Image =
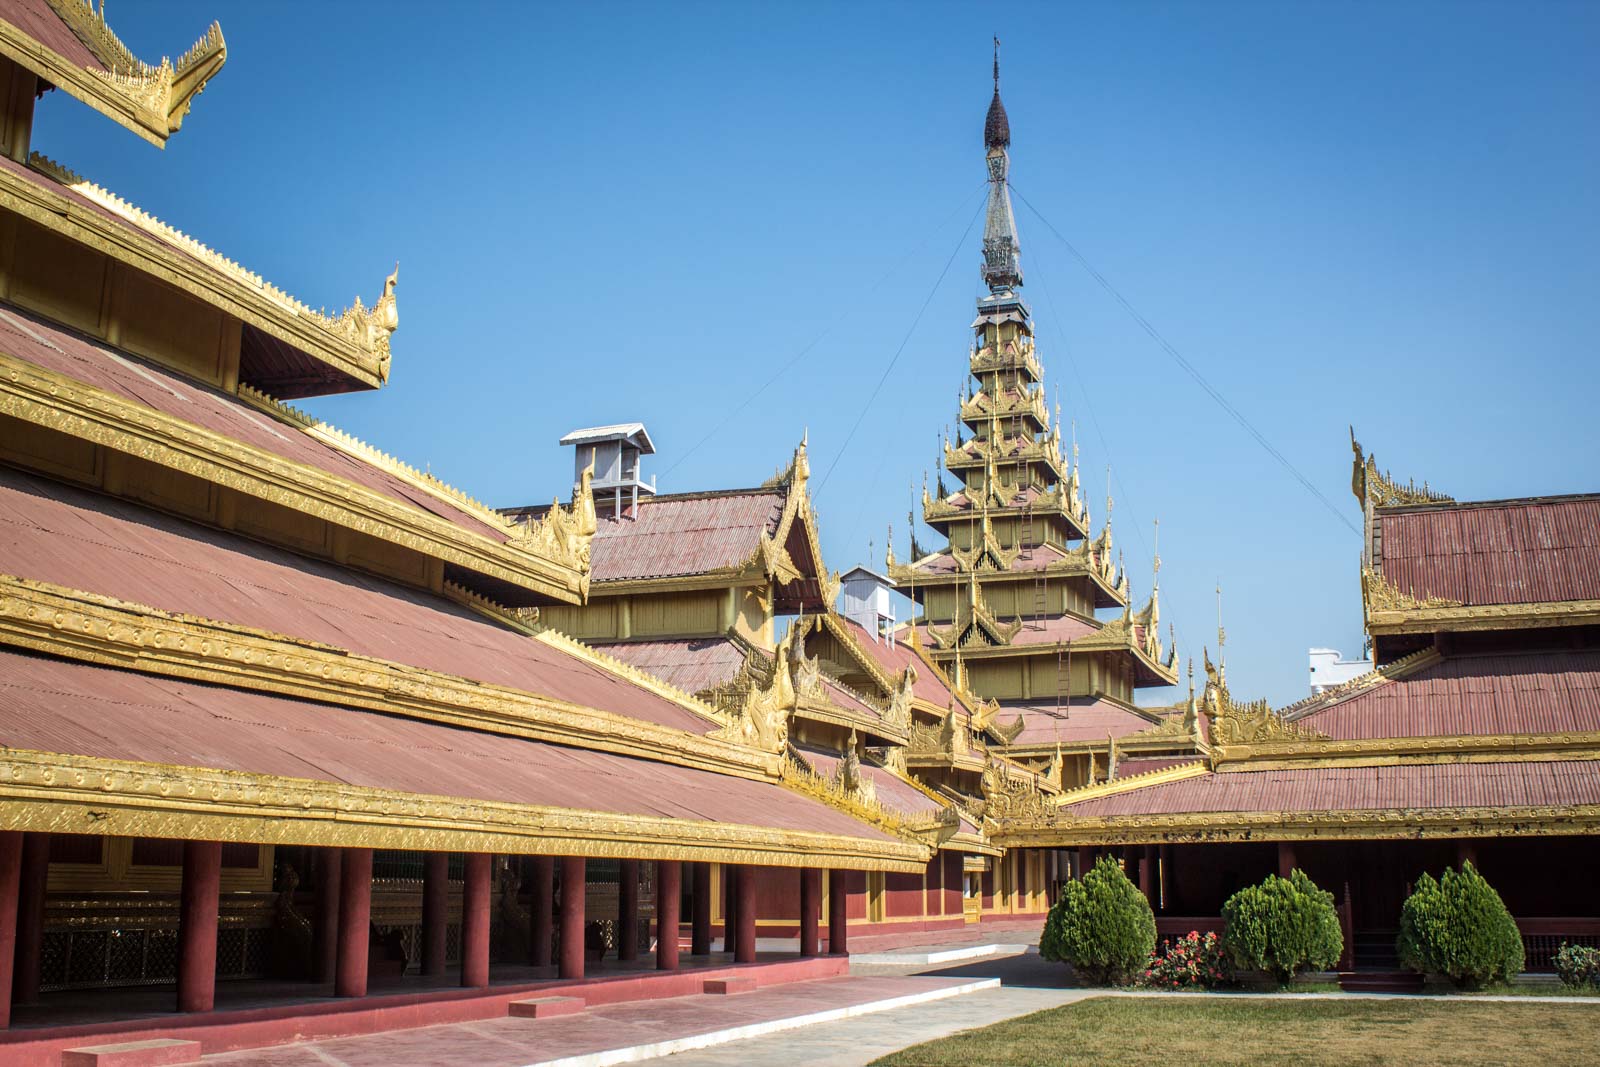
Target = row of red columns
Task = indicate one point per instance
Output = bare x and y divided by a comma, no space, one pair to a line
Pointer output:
345,904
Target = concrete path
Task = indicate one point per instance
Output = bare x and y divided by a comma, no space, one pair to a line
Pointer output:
619,1033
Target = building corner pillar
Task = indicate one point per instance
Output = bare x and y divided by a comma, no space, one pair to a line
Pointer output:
355,915
700,925
10,886
1286,861
745,890
669,893
574,888
627,910
475,920
31,888
435,912
810,909
541,909
838,911
197,925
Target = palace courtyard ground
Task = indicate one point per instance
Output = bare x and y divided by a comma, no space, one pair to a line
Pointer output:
909,1003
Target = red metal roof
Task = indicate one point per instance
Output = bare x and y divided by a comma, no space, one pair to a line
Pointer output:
893,793
673,536
69,537
1408,787
36,19
895,657
55,706
1503,693
1080,720
690,664
1042,631
55,348
1516,552
1128,767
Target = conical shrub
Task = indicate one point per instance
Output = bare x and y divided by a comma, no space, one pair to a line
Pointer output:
1102,925
1459,927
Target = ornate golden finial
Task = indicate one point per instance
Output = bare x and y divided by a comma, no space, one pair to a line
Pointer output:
1367,482
1222,635
1155,559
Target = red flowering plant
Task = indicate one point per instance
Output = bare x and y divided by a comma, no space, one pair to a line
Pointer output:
1193,961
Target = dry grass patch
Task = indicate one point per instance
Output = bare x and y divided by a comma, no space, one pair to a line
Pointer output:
1161,1031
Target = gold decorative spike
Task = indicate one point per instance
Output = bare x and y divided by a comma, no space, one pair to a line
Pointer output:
1007,796
1009,734
760,701
1369,484
1379,594
898,712
564,534
154,99
369,330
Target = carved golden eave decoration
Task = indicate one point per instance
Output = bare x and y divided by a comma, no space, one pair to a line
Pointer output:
1009,796
978,452
982,407
1390,611
354,342
56,402
986,554
1375,487
1010,355
974,624
1380,596
149,100
108,632
761,698
1232,723
832,623
772,557
1092,559
856,800
563,535
54,793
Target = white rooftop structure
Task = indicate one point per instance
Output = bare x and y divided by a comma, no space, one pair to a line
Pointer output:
614,453
866,598
1329,670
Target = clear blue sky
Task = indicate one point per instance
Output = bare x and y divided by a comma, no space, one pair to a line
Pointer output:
1373,213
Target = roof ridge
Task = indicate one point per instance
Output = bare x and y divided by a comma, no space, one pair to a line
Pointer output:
354,446
344,326
1389,672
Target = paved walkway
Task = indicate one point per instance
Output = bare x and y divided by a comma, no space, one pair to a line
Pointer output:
628,1032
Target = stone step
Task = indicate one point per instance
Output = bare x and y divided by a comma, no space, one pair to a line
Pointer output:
545,1007
722,986
156,1052
1380,981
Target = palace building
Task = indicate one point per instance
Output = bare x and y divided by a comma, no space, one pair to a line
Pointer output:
1009,605
1477,738
297,740
285,745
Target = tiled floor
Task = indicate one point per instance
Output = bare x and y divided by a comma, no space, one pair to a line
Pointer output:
515,1042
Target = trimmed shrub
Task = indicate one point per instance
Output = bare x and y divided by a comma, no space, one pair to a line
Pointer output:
1190,962
1102,925
1282,926
1458,926
1578,966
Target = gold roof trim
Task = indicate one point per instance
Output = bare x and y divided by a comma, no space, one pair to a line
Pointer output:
53,793
1400,668
355,341
149,100
1128,782
1377,487
55,401
1378,824
113,633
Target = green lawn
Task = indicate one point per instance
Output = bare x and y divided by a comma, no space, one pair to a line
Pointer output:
1164,1031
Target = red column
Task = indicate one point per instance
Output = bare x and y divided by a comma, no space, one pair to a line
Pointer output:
355,912
1146,869
435,911
30,916
1285,859
700,934
574,886
838,901
730,908
197,925
10,883
628,910
810,909
1466,852
745,888
541,903
475,921
669,890
330,862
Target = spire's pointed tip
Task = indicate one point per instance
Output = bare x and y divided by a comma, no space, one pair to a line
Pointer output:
996,127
